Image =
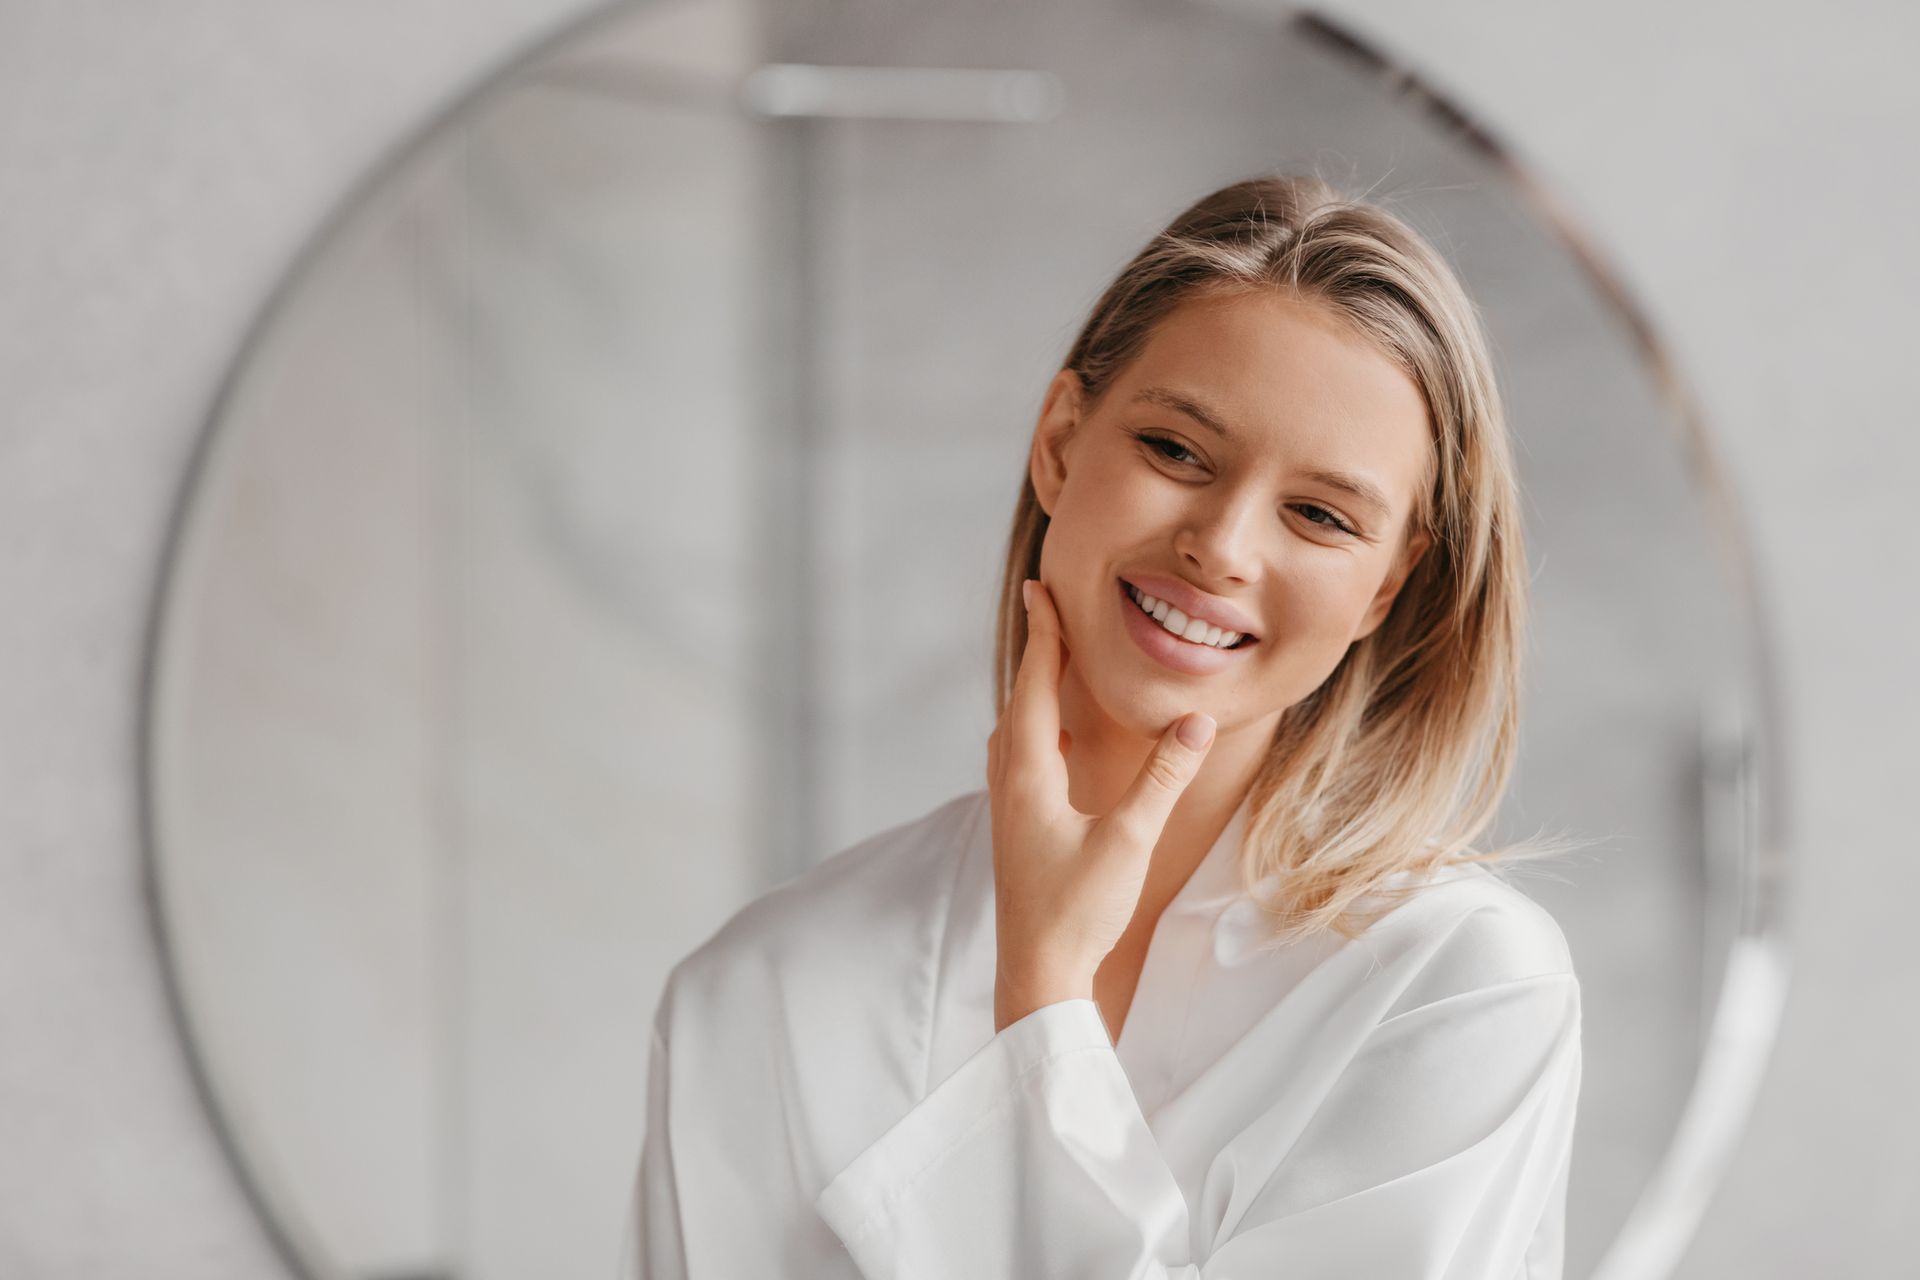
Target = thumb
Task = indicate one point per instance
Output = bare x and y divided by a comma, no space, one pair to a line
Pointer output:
1142,812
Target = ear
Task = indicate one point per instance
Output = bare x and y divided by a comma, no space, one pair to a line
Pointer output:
1059,416
1417,543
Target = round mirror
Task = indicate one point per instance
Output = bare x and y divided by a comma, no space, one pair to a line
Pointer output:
602,525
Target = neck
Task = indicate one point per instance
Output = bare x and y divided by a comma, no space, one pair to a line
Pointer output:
1103,759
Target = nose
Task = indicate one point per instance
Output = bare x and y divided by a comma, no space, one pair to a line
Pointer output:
1221,538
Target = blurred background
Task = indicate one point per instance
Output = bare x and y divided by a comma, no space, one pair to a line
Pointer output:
601,524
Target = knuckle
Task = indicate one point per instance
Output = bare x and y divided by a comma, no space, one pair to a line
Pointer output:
1166,771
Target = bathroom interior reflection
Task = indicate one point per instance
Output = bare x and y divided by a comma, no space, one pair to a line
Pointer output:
603,525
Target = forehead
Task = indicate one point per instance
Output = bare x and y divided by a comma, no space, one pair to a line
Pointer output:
1286,376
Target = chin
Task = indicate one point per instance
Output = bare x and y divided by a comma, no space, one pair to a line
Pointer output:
1146,707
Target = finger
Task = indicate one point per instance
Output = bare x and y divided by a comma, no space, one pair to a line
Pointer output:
1137,821
1033,730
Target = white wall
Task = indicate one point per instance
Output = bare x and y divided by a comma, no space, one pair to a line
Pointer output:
160,164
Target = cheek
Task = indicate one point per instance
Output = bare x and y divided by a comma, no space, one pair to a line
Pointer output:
1072,558
1102,510
1320,600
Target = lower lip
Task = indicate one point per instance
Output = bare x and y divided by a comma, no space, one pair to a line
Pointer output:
1182,655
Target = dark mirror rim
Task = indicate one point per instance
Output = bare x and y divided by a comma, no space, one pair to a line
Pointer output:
1743,1021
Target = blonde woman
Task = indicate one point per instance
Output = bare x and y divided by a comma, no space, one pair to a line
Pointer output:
1208,981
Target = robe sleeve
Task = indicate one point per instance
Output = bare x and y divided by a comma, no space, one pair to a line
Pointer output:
1437,1153
654,1248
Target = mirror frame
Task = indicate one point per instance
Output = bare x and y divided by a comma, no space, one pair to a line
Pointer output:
1744,1018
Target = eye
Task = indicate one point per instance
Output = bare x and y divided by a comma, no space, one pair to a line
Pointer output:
1173,451
1166,447
1332,521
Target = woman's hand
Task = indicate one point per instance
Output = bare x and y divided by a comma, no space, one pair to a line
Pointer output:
1066,884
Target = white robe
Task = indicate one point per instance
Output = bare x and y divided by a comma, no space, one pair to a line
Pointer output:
828,1098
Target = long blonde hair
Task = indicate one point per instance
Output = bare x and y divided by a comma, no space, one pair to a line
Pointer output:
1401,756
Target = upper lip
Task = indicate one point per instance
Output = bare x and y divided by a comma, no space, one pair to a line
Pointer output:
1192,603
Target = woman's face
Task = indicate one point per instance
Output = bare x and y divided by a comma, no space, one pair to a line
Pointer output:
1212,470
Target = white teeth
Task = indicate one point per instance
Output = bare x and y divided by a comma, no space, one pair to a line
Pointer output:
1190,629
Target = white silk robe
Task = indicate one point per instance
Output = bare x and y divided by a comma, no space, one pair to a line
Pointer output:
827,1096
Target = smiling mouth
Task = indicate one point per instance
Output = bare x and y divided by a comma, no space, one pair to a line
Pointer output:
1162,610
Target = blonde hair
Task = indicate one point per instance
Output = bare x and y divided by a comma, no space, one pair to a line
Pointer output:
1399,759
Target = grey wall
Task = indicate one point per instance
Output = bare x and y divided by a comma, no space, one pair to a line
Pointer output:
159,166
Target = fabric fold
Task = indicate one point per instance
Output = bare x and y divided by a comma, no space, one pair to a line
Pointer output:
1031,1159
1434,1159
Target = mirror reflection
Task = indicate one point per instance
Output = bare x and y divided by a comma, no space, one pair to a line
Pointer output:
605,525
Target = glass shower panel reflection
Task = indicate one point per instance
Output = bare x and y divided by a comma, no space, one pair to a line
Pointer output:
596,268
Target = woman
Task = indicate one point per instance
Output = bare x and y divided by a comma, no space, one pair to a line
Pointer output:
1207,981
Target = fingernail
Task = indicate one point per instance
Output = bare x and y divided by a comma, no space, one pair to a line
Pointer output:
1196,730
1026,592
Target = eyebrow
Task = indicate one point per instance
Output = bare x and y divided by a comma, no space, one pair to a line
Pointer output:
1360,490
